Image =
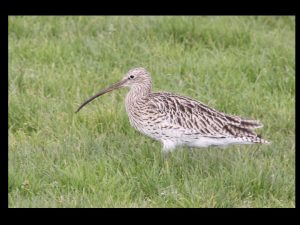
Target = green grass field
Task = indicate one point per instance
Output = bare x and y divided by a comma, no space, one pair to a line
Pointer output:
239,65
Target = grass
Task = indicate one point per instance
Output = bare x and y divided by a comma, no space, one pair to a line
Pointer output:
240,65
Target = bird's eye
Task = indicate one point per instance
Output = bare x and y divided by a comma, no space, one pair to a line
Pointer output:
131,76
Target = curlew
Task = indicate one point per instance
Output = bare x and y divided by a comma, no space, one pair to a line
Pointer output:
175,120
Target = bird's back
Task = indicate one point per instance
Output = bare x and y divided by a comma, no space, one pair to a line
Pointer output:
180,120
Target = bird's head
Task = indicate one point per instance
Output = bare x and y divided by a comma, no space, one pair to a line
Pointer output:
135,78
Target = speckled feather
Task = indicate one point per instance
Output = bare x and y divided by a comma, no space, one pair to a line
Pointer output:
177,120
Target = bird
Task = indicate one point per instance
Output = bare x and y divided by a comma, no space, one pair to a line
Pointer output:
176,120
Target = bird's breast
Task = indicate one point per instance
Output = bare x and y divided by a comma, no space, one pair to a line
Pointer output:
145,119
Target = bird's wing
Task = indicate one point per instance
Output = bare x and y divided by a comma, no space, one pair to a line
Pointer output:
198,118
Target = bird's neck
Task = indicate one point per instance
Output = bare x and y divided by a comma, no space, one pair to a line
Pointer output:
135,101
138,93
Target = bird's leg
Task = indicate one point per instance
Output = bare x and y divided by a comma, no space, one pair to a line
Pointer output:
165,154
191,152
168,146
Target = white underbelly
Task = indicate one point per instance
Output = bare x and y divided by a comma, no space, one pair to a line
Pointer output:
177,137
211,141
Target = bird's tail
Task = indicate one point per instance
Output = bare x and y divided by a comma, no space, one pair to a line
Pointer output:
260,140
250,124
246,134
243,123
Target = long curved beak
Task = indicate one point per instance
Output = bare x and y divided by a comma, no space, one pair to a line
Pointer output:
102,92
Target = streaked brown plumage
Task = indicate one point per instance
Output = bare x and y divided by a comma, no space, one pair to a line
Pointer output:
177,120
